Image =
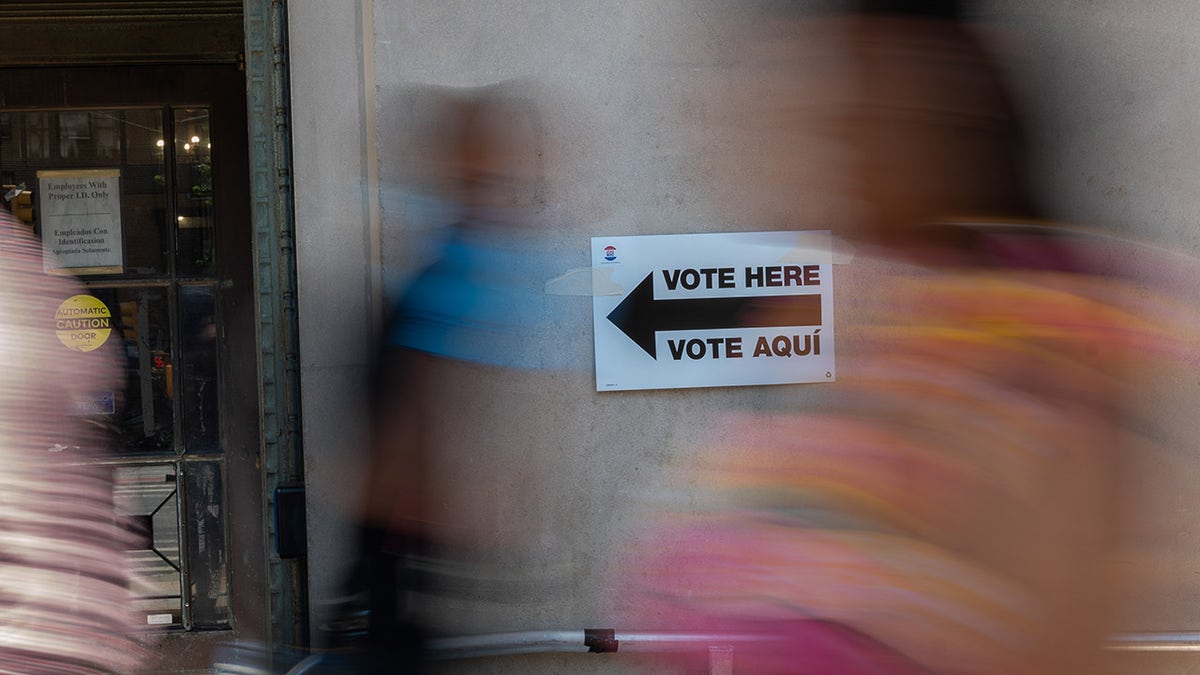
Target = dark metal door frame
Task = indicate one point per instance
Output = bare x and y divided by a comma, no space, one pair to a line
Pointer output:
266,63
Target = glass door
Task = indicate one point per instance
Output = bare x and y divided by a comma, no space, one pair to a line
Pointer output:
145,201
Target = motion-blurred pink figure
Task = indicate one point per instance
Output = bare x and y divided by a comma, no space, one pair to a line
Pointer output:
64,598
950,505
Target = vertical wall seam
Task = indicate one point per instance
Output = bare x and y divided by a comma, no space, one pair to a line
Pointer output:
371,170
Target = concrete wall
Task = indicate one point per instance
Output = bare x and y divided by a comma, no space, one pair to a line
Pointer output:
665,117
655,118
337,251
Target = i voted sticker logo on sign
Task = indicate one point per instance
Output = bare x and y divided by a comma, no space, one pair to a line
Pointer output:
610,253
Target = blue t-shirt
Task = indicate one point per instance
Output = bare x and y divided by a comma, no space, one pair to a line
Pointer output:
484,301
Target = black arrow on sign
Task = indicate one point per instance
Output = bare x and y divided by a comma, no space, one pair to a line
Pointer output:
640,315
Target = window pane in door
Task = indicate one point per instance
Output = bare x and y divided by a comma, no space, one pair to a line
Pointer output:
144,193
89,137
146,499
141,317
37,137
194,193
130,141
208,562
198,338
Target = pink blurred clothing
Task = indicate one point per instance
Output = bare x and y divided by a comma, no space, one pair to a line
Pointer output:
952,506
64,598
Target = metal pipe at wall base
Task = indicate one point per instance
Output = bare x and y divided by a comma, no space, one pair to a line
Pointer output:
662,641
588,640
609,640
497,644
1155,642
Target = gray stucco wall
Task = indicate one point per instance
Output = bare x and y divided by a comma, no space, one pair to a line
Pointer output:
654,124
644,111
336,251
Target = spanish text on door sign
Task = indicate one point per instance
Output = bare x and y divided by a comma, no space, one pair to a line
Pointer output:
722,309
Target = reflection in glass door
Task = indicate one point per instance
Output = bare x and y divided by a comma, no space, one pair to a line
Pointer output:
163,300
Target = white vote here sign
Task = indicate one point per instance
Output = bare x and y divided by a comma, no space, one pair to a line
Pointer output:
710,310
